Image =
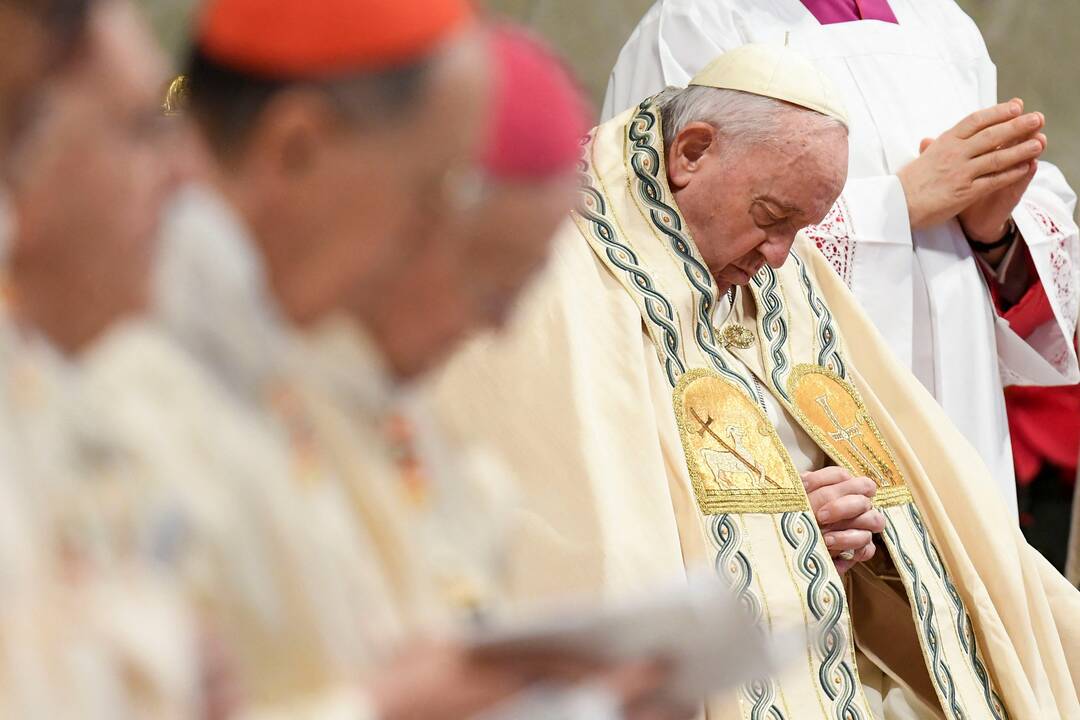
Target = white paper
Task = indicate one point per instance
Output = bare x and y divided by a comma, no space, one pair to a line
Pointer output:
584,703
699,627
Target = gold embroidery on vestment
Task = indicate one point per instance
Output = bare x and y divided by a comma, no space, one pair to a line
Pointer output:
831,410
736,336
736,460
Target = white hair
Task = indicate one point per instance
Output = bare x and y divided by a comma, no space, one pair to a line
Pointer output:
734,114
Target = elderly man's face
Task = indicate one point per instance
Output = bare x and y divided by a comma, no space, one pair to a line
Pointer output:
91,177
409,169
745,204
473,269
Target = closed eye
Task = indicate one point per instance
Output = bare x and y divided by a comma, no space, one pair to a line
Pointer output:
765,218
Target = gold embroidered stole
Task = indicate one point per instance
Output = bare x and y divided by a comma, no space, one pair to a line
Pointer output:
755,512
808,376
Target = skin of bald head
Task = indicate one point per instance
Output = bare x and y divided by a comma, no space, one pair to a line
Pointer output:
745,194
329,200
473,270
89,183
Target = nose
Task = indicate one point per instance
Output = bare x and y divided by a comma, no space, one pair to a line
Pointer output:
776,249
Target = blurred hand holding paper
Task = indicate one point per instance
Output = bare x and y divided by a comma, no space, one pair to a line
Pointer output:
699,628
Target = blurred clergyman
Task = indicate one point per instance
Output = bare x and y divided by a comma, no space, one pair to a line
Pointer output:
465,273
92,629
341,134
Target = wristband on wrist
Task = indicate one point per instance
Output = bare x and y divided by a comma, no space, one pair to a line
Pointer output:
1011,231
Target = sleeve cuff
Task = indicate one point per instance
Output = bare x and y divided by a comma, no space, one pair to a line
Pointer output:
890,222
1014,277
1000,274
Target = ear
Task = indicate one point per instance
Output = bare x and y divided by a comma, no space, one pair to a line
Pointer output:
687,151
291,134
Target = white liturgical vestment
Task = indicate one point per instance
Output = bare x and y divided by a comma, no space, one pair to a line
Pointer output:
922,289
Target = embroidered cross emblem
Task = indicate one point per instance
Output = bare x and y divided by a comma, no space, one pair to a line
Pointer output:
831,410
848,436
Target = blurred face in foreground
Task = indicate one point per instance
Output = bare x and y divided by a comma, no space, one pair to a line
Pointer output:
89,182
477,259
476,266
330,197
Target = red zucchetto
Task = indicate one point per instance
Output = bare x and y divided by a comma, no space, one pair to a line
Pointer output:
324,38
539,114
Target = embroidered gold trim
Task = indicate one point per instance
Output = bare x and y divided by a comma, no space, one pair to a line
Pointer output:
736,460
734,335
831,410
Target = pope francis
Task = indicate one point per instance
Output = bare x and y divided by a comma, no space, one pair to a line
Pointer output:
689,364
923,248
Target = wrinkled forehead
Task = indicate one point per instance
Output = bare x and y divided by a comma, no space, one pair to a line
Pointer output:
799,164
822,139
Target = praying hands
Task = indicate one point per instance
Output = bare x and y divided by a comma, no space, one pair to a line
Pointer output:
977,171
844,508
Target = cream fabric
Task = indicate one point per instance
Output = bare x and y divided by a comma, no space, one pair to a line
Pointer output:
289,568
887,695
774,71
888,699
87,629
207,491
324,395
450,534
1020,604
346,704
345,395
577,400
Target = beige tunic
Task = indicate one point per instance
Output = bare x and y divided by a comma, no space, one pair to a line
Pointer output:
449,530
87,629
208,490
335,576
